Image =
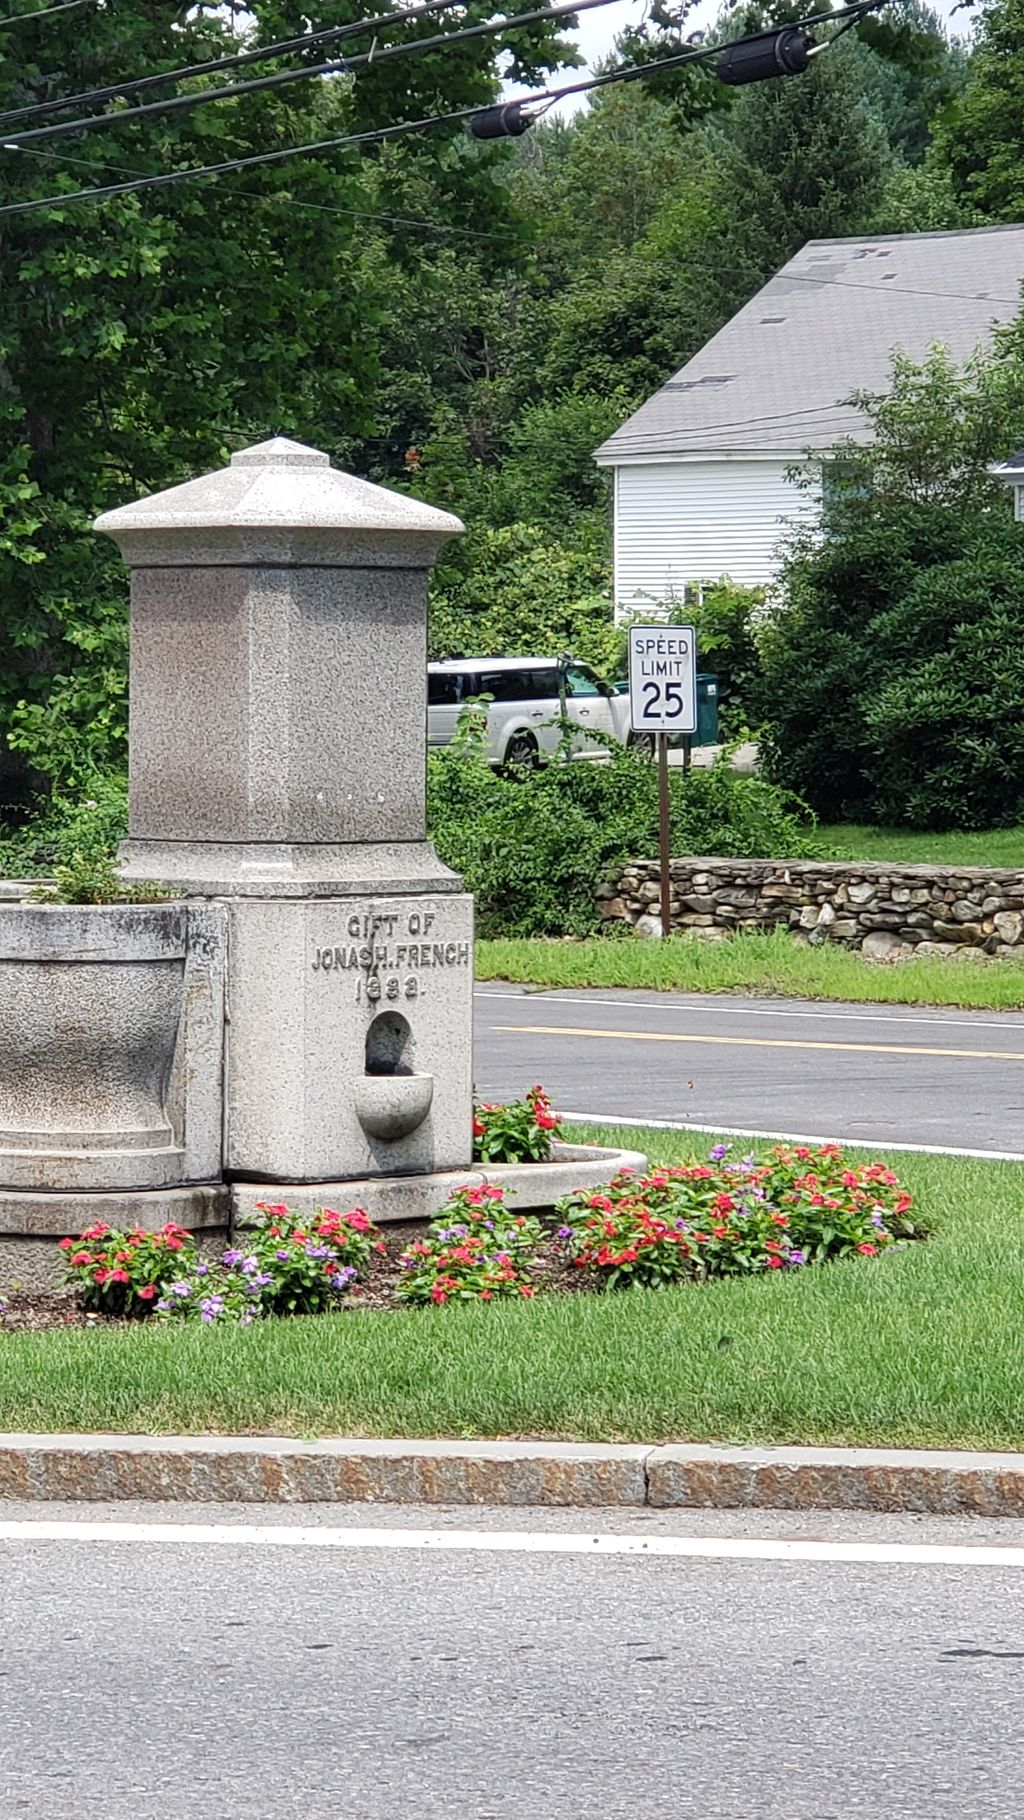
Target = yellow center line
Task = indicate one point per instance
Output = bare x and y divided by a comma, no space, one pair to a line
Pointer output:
754,1042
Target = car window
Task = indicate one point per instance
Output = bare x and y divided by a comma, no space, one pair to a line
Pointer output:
444,689
505,685
579,681
542,684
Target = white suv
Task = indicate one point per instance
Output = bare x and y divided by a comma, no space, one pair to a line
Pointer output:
533,698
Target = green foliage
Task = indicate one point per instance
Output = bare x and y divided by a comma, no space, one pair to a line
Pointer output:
69,831
795,1208
892,673
723,616
287,1265
979,138
475,1250
535,847
94,879
144,337
517,1131
525,594
123,1273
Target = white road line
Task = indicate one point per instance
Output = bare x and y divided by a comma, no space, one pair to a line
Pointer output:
554,995
791,1137
529,1542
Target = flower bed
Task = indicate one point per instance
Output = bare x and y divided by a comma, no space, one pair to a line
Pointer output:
792,1209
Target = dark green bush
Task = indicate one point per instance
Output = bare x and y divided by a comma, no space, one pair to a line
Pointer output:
894,678
534,847
79,830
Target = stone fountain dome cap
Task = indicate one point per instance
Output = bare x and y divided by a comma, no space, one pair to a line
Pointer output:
279,502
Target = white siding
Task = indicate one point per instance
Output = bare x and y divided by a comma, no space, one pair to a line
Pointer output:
685,521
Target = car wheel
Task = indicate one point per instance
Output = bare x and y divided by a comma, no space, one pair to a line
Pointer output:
521,753
643,743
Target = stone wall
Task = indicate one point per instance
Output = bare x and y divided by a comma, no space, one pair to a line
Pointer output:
888,912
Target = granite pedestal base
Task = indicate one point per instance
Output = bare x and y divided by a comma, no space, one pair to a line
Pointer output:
349,1037
531,1187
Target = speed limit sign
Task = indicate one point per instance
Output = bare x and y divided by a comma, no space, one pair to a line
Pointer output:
662,679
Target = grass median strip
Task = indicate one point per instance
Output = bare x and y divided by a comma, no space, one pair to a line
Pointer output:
918,1348
765,965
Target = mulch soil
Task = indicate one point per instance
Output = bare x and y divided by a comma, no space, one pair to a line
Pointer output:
37,1311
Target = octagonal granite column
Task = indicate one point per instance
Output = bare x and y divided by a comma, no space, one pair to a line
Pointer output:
278,762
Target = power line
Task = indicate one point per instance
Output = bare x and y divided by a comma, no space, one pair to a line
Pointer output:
401,129
44,12
291,202
309,41
405,48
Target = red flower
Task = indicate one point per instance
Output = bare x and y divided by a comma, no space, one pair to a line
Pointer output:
120,1276
868,1251
81,1258
544,1121
173,1242
478,1128
774,1263
66,1244
147,1292
99,1276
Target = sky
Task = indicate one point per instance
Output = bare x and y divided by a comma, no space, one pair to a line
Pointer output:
597,30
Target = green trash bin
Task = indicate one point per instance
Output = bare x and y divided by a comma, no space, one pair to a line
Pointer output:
707,709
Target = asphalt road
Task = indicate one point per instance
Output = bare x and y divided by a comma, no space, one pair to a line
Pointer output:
145,1679
880,1074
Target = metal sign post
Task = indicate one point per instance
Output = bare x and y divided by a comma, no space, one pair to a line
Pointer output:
663,700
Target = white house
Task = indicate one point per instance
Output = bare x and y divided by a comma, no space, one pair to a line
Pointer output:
702,470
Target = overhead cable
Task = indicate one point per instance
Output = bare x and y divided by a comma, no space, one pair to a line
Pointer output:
401,129
43,12
135,85
203,97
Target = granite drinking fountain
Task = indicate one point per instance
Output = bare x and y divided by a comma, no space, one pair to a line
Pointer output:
294,1021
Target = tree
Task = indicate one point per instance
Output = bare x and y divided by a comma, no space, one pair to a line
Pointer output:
142,337
892,675
980,141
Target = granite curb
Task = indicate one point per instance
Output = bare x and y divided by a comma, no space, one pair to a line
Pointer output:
258,1469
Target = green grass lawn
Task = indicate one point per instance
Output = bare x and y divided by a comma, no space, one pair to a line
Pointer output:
761,964
922,1347
998,847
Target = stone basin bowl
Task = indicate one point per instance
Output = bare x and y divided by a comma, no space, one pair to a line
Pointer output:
91,999
390,1106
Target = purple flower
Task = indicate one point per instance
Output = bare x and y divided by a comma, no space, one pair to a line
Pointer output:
180,1289
878,1217
232,1259
719,1151
564,1232
797,1257
319,1252
202,1270
282,1256
249,1265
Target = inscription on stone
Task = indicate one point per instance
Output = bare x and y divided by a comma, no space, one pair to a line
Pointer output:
388,952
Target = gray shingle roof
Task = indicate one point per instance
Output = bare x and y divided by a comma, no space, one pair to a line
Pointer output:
775,377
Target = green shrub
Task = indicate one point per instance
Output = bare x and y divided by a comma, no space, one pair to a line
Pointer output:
78,831
723,619
534,847
893,663
896,672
